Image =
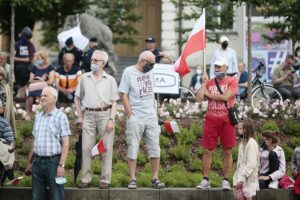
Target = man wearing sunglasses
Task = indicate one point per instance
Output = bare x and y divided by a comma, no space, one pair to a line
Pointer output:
137,95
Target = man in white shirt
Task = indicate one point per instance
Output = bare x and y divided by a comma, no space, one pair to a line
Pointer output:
225,52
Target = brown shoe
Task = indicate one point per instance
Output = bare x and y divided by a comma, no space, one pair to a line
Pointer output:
83,185
104,185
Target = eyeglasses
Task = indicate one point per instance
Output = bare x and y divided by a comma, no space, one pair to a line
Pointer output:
96,60
150,62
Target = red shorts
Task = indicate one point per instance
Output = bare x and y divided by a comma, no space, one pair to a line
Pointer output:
215,128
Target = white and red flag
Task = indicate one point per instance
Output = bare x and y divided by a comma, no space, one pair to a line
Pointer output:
171,127
15,181
195,43
99,148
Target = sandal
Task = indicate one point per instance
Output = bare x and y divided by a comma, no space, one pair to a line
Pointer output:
157,184
132,184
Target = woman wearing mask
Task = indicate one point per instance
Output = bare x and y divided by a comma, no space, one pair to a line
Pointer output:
245,178
42,71
196,79
272,161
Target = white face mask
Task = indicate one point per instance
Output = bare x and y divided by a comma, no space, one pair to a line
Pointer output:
198,71
94,67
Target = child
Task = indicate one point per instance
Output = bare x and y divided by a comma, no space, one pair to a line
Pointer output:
245,177
296,169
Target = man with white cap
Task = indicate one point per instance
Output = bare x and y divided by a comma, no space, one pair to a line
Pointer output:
217,122
225,52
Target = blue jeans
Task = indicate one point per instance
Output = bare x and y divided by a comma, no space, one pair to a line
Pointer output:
43,175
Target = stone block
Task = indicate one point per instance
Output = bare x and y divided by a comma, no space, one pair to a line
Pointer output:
86,194
214,194
183,194
278,194
138,194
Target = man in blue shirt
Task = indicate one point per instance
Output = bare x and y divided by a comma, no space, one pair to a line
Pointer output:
243,79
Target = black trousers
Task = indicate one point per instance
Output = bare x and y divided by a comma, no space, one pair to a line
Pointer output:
273,166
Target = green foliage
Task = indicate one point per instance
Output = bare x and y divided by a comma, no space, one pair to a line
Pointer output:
179,166
25,128
163,155
144,179
270,125
180,152
288,151
217,162
163,141
291,127
195,165
120,16
70,160
24,150
96,166
294,142
142,158
235,153
197,129
185,137
120,167
22,163
200,151
215,179
119,179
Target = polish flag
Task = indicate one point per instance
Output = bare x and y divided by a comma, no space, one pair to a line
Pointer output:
195,43
171,127
15,181
99,148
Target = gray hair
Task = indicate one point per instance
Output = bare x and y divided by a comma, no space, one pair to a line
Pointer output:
53,91
103,53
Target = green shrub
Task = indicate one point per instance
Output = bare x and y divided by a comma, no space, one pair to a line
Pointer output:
148,168
185,137
179,166
25,128
195,165
200,152
22,163
291,127
96,166
25,149
70,160
288,151
215,179
144,179
163,156
181,152
178,179
119,179
197,129
270,125
142,158
217,162
235,153
120,167
163,141
294,142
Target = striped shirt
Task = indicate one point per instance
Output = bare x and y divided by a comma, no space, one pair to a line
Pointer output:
48,132
5,130
70,79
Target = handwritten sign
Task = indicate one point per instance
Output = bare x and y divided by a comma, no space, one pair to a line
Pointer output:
166,79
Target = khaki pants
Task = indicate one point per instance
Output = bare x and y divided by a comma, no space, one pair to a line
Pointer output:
94,123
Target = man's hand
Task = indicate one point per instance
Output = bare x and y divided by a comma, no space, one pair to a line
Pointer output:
79,121
28,169
60,171
110,126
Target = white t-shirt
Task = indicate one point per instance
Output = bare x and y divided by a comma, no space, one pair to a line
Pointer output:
140,89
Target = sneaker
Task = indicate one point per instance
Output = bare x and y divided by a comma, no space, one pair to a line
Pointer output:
225,185
132,184
204,184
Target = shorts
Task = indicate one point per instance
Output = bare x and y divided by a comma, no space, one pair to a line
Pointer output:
214,129
22,73
136,129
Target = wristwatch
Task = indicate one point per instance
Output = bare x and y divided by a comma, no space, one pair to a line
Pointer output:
112,119
62,165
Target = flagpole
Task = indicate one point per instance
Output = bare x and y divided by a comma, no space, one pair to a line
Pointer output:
204,50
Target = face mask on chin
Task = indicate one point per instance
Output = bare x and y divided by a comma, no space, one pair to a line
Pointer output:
147,67
38,63
94,67
198,71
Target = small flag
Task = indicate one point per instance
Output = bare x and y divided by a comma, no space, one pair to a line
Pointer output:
99,148
171,127
15,181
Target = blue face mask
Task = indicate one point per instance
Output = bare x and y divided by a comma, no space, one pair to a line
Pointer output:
38,63
220,74
94,67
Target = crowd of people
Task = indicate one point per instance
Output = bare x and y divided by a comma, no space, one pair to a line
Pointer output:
95,94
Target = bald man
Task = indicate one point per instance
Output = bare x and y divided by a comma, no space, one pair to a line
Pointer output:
137,95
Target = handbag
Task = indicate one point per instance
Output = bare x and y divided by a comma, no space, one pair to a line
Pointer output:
286,182
231,111
37,85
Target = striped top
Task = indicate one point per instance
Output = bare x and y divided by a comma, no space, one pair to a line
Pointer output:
5,130
70,79
48,132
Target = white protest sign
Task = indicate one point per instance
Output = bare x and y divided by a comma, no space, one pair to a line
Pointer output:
166,79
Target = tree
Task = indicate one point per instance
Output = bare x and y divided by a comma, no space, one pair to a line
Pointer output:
51,12
119,16
287,24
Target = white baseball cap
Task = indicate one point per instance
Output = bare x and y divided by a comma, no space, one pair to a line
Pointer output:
223,39
220,61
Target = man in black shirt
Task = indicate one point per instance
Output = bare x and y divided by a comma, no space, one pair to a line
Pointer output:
70,48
